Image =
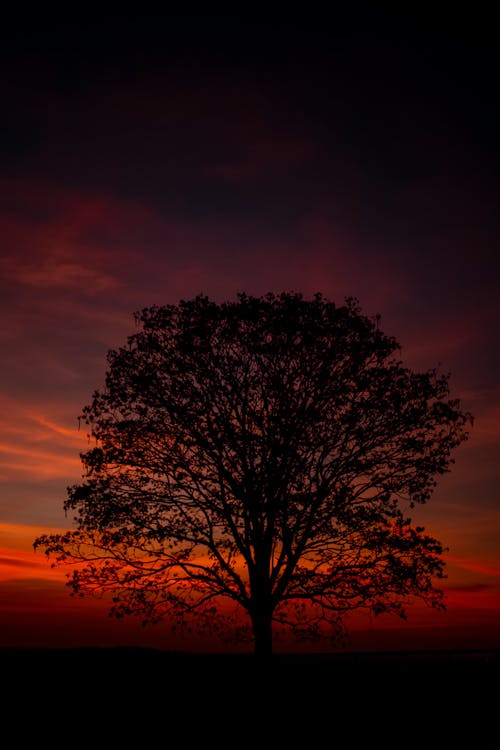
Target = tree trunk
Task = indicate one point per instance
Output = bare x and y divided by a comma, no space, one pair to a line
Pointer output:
262,634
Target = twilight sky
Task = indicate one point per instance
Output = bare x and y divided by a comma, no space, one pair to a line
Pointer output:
141,167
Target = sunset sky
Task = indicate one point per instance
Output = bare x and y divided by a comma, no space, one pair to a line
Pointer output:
140,167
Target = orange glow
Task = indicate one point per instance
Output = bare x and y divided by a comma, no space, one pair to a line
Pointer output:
38,463
38,447
21,564
59,429
18,560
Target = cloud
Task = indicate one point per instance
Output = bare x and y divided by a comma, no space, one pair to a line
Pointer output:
55,272
65,245
263,156
20,463
178,125
35,447
17,556
476,565
15,563
16,540
473,588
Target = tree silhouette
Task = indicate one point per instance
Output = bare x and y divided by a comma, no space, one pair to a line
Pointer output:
259,456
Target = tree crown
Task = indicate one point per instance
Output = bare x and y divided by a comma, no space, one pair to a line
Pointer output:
265,452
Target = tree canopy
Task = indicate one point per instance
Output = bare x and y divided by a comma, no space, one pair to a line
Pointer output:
253,469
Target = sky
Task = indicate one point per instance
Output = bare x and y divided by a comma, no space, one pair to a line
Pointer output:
145,165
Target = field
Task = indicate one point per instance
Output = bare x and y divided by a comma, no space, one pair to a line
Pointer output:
391,700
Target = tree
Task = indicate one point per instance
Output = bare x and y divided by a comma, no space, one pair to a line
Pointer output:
264,453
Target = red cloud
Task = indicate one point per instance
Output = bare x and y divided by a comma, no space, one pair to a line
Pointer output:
476,565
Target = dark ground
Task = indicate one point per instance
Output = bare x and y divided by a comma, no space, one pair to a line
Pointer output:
130,696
